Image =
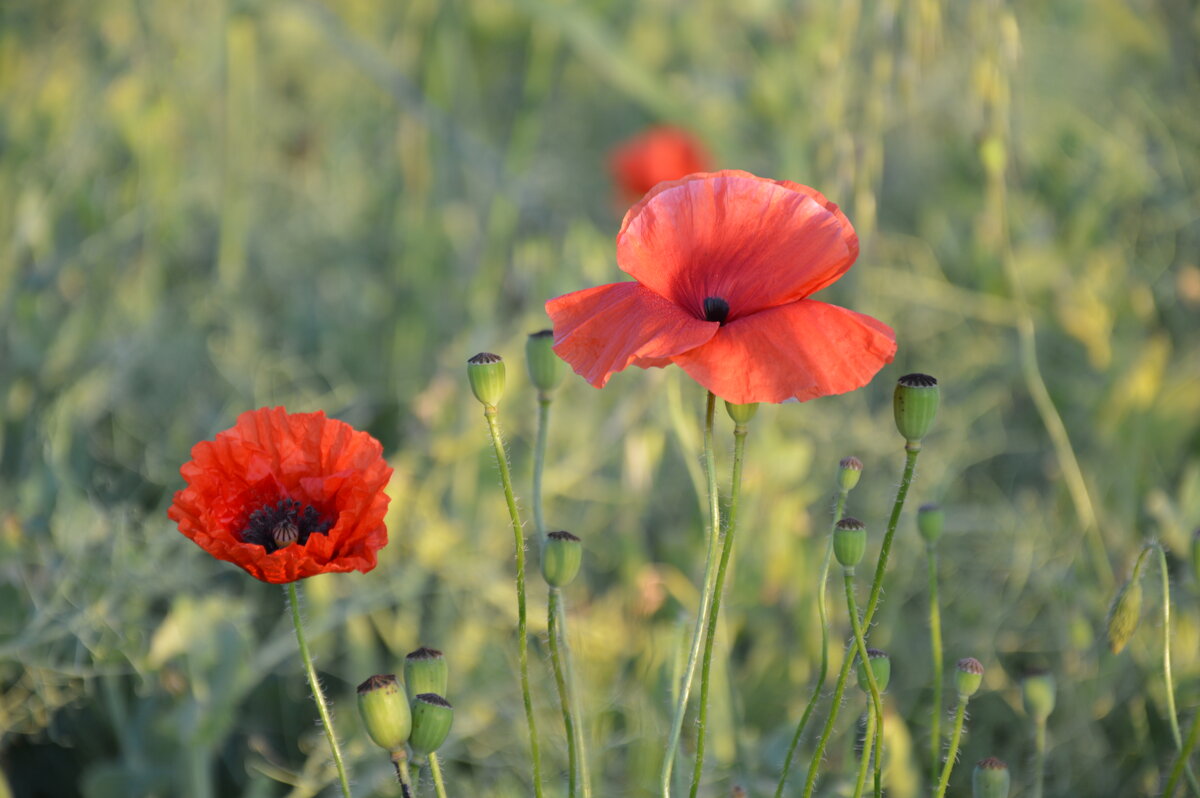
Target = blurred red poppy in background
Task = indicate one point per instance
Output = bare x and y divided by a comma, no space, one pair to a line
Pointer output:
286,495
724,265
655,155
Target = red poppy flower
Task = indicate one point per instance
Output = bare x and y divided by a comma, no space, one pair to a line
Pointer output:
724,265
286,495
658,154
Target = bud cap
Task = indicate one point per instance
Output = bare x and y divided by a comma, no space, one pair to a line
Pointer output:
426,671
432,717
545,367
968,675
881,664
849,472
849,541
485,372
931,518
385,712
562,554
990,779
915,404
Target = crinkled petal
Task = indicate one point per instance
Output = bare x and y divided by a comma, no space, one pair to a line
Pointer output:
602,330
801,350
755,243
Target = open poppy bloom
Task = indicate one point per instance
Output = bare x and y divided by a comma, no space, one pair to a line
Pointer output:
286,495
659,153
724,265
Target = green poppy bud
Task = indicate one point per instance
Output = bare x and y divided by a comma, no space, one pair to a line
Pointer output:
741,414
968,675
1123,615
930,520
426,671
915,404
849,541
545,367
385,711
849,472
561,556
881,664
485,371
1038,693
990,779
432,717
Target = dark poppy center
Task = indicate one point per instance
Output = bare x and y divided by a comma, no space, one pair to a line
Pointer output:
274,526
716,309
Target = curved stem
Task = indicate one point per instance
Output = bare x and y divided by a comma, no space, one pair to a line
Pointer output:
1039,755
714,539
872,684
400,762
824,669
315,685
1171,712
522,636
564,697
739,449
1181,761
952,754
868,742
935,650
435,767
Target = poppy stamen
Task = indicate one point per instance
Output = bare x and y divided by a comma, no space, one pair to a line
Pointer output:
275,526
716,309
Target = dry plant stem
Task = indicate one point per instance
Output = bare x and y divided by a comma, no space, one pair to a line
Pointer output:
824,669
912,450
959,715
1171,712
935,646
868,742
315,686
873,685
714,539
400,762
1039,755
739,450
1181,761
435,768
489,413
564,696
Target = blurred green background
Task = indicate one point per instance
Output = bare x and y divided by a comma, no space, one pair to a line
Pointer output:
213,206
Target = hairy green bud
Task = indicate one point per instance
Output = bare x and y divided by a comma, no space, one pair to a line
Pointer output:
915,404
432,718
881,665
426,671
385,712
849,541
968,676
545,367
990,779
485,372
930,521
562,554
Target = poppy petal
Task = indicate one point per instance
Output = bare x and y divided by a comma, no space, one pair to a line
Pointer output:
602,330
753,242
801,350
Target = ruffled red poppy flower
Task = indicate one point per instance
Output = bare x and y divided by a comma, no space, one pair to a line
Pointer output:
724,265
286,495
655,155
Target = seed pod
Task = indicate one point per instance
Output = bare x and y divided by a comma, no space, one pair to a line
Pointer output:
741,414
545,367
849,541
562,553
968,675
1123,614
915,404
930,520
849,473
881,664
426,671
485,372
432,717
385,711
990,779
1038,694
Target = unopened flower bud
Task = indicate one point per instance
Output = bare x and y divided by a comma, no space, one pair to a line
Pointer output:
426,671
968,675
485,372
1123,614
915,404
741,414
545,367
990,779
432,717
849,472
1038,693
385,712
561,555
849,541
930,520
881,665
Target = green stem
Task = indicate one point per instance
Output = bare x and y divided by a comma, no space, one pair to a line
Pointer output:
585,776
935,646
952,754
315,686
824,669
739,450
1181,761
539,463
564,697
435,767
1171,712
1039,755
714,539
400,762
522,636
912,449
868,742
872,684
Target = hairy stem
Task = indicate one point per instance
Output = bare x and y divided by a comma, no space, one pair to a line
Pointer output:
935,646
952,755
435,768
868,742
564,696
872,685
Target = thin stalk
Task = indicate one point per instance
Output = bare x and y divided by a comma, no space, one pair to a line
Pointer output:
564,642
1171,713
539,463
435,767
935,650
868,742
564,696
823,671
490,413
1181,761
714,539
1039,755
872,685
912,450
952,755
315,686
400,762
739,450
